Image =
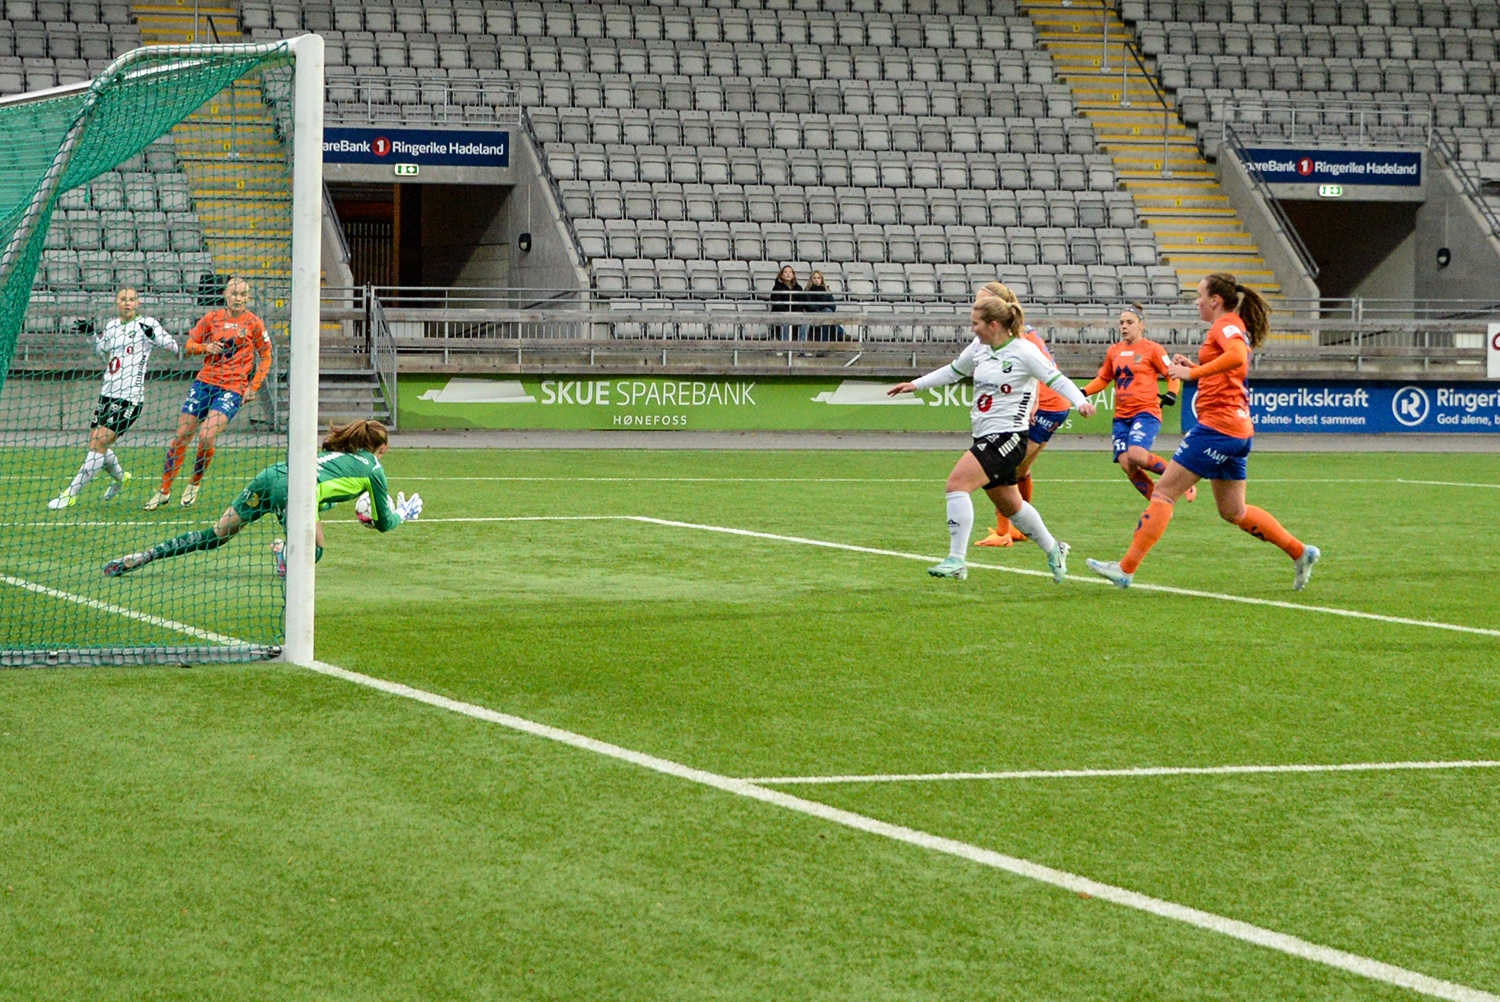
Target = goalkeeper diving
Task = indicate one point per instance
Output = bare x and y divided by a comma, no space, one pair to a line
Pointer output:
348,467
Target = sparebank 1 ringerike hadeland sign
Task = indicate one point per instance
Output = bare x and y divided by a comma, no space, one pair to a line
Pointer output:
1395,168
711,404
423,147
1348,407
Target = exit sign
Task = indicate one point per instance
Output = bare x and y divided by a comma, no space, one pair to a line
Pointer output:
408,170
1328,190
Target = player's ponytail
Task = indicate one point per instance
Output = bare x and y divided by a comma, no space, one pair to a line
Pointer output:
356,436
1245,301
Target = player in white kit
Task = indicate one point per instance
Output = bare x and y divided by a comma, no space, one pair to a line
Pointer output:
126,345
1005,368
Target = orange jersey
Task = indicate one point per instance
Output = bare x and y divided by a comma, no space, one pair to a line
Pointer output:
1223,402
1134,368
250,348
1047,399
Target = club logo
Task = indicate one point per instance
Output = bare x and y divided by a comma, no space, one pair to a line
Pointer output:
380,146
1410,405
1305,166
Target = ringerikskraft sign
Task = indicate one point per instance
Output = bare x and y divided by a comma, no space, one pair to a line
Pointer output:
1345,407
1398,168
424,147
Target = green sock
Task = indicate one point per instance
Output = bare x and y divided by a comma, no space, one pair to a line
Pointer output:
317,554
188,542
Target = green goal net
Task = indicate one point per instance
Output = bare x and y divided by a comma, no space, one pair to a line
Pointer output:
169,175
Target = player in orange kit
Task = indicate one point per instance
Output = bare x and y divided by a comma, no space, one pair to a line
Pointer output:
1133,364
1217,447
1052,410
232,341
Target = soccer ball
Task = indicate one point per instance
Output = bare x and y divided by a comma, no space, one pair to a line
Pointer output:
362,510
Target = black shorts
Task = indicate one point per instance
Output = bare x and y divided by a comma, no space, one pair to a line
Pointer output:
999,456
115,414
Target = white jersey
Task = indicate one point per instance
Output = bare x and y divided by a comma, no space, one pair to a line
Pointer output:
1005,381
127,349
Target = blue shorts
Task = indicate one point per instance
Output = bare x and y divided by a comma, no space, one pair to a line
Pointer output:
204,397
1213,455
1045,423
1139,430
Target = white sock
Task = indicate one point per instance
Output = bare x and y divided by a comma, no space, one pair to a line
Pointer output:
91,466
1029,521
960,522
112,464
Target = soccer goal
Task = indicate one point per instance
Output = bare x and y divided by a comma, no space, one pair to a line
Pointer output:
159,304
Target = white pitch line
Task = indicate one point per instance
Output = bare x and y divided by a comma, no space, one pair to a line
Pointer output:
1366,967
62,524
1294,946
1211,770
1446,483
119,610
1166,589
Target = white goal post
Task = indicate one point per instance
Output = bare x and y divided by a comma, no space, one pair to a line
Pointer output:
302,414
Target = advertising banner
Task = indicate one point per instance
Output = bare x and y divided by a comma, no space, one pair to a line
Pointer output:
1401,168
423,147
1349,407
716,403
1492,353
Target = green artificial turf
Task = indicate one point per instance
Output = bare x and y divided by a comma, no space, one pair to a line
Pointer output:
261,832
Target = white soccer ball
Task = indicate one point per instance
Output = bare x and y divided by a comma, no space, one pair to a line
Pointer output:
362,510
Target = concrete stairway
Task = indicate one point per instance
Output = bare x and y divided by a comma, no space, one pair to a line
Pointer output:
1196,229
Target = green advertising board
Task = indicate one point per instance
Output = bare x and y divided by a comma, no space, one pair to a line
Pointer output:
703,404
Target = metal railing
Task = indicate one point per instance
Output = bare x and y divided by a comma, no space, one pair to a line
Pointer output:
382,353
1438,143
1263,191
1366,121
439,101
1167,111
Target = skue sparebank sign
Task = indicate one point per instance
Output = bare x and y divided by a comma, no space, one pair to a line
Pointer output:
423,147
1393,168
1348,407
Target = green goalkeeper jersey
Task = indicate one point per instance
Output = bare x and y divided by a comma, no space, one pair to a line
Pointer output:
342,476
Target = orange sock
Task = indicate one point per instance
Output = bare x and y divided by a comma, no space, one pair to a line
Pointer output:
1024,485
201,461
1263,526
170,467
1002,525
1147,531
1158,465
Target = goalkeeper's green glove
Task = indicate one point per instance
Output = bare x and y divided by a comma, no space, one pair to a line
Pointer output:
1167,399
409,508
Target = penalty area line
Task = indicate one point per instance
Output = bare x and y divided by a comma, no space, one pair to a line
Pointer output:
1366,967
1209,770
1164,589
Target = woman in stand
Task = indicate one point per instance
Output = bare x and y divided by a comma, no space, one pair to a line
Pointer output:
1006,369
785,296
818,298
1217,447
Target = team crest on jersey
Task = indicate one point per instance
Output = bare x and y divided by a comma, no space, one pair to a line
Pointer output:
1006,365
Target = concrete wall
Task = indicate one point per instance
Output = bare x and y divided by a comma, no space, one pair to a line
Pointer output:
1396,276
552,262
464,239
1449,219
1278,252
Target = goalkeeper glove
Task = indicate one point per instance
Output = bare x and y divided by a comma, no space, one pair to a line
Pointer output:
1167,399
409,508
83,328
